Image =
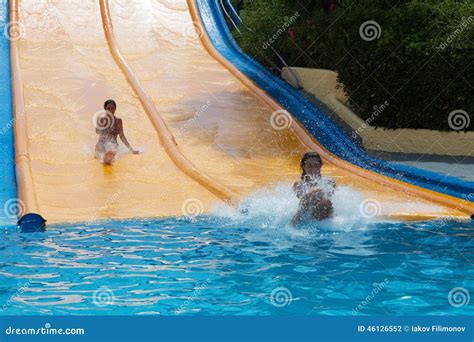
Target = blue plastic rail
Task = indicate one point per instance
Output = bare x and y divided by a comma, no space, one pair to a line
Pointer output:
8,196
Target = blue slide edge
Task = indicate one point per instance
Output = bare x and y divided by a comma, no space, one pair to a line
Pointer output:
8,192
325,131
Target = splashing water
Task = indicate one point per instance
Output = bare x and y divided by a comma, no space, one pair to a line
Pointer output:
274,208
270,207
121,151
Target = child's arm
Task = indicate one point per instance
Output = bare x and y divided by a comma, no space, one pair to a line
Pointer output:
123,138
297,189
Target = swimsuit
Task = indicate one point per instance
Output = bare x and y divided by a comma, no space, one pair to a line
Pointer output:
108,138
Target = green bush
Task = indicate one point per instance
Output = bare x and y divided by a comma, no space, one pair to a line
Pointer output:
421,64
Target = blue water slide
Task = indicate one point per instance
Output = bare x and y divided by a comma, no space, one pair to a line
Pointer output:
8,201
326,132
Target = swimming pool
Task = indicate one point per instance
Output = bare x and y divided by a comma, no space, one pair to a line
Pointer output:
222,265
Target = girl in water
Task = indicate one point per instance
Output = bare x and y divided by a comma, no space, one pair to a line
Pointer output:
108,126
313,191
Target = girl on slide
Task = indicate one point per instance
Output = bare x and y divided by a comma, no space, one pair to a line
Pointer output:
313,191
108,126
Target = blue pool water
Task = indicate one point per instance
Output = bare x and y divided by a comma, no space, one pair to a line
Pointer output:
229,266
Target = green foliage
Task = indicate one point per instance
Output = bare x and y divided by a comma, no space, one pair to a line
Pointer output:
422,63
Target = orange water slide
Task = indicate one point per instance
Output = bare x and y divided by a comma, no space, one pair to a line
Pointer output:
207,133
236,128
62,73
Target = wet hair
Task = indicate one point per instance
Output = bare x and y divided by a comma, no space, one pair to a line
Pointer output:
307,156
110,101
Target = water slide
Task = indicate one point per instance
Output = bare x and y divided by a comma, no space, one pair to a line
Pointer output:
212,125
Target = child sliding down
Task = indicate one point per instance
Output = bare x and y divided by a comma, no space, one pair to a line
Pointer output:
313,190
108,126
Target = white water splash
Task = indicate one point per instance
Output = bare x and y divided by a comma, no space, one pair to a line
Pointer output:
275,207
121,151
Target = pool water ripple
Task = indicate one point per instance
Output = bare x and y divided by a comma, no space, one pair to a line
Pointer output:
220,266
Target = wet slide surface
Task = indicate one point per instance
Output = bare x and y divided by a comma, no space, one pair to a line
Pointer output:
219,125
68,73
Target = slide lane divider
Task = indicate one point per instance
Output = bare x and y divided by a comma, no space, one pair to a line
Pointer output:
30,219
167,139
464,206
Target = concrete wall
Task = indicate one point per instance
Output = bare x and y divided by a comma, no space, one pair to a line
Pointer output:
323,85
